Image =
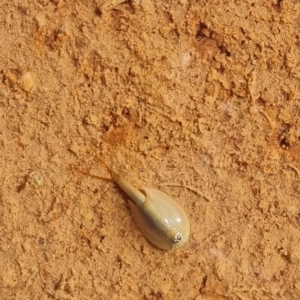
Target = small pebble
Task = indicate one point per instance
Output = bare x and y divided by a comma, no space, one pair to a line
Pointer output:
40,19
37,180
66,28
74,148
90,120
253,110
27,81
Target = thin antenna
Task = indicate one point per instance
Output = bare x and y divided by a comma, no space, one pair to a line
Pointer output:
91,175
112,173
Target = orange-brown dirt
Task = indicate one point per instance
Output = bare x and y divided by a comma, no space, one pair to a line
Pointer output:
197,98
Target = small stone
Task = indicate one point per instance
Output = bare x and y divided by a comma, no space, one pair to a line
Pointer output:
27,81
90,120
74,148
37,180
40,19
253,110
274,155
66,28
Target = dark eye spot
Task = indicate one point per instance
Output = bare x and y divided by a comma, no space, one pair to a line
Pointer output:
177,238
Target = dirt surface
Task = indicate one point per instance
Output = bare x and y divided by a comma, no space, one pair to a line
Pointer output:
197,98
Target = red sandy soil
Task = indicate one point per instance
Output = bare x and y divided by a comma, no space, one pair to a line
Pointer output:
197,98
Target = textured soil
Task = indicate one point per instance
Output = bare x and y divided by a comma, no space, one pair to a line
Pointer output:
197,98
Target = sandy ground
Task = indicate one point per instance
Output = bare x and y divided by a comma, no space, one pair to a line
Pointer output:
197,98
